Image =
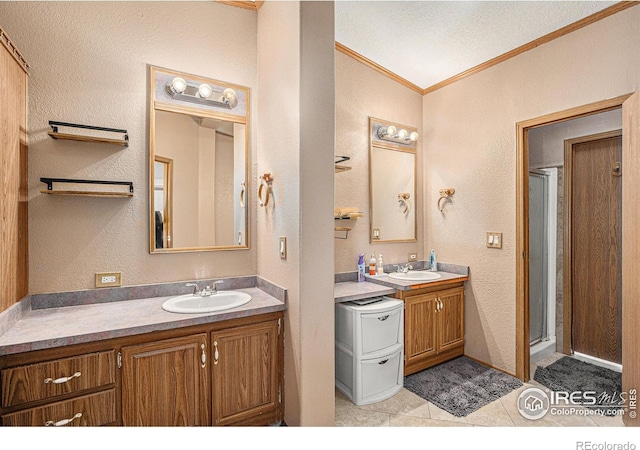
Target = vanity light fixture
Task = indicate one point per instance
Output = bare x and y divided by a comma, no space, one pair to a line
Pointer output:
202,94
401,136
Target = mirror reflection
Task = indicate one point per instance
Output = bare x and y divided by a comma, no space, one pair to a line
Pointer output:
199,166
392,182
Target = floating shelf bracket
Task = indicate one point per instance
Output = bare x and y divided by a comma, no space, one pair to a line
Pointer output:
55,134
49,182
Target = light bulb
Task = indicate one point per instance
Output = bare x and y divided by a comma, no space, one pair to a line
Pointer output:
178,85
391,131
413,137
229,94
205,91
402,134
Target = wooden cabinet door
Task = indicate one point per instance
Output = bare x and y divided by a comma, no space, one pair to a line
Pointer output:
451,319
420,330
166,383
245,373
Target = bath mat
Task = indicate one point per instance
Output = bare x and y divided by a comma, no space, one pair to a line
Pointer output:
571,375
460,386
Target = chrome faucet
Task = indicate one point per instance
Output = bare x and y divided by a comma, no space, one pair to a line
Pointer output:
403,269
207,291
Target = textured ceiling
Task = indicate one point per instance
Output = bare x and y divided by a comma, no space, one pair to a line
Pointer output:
426,42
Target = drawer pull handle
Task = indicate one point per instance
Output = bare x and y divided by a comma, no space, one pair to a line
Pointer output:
63,422
215,352
203,357
383,318
61,380
383,361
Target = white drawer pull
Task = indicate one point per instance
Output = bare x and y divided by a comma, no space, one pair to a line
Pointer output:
383,318
61,380
383,361
63,422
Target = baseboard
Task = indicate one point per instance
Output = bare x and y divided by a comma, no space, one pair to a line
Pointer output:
490,366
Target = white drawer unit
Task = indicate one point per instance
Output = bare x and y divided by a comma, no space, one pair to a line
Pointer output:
369,349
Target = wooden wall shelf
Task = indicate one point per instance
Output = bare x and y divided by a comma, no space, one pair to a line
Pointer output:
55,134
49,182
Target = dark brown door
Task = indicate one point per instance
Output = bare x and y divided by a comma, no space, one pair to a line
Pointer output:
451,319
420,330
596,221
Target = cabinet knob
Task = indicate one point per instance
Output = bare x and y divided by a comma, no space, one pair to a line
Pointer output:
203,357
215,352
383,361
383,318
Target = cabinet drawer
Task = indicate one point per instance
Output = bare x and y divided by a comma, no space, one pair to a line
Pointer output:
381,378
86,411
381,330
26,384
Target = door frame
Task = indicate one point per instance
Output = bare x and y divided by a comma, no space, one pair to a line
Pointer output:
522,217
568,230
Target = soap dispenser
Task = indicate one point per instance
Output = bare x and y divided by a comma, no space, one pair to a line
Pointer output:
433,264
380,270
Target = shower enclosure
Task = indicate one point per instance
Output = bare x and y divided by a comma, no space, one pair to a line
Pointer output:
542,258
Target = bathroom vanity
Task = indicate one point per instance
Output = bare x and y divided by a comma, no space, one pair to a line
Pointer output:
433,313
131,363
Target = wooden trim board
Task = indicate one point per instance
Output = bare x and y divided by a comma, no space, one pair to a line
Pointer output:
522,218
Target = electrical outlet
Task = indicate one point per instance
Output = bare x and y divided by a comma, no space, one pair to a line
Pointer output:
108,279
412,257
494,240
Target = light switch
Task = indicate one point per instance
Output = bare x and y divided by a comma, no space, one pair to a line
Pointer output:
283,247
494,240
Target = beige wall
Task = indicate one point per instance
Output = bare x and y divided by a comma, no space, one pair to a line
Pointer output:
361,92
470,142
295,141
89,65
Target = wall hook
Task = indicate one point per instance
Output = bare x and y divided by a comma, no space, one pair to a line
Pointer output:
265,181
444,195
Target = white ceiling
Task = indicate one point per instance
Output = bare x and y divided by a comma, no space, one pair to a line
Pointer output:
426,42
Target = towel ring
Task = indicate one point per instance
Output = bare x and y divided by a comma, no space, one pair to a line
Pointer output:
265,180
444,195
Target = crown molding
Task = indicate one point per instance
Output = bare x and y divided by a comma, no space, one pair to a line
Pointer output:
609,11
254,6
613,9
377,67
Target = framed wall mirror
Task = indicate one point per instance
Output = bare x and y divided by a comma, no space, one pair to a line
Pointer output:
198,165
392,182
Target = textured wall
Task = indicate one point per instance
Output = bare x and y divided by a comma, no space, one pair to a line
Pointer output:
89,65
470,145
295,141
362,92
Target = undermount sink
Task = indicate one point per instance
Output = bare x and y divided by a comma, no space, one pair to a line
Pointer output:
195,304
415,275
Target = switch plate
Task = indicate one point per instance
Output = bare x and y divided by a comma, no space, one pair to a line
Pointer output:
412,257
282,247
494,240
376,234
108,279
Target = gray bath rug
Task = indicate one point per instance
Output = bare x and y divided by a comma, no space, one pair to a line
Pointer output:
460,386
571,375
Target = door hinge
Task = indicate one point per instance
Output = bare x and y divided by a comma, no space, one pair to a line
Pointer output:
119,360
278,327
279,393
524,254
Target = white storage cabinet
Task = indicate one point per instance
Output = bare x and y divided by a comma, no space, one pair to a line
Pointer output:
370,350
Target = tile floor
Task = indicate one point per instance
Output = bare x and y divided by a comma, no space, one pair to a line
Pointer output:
405,409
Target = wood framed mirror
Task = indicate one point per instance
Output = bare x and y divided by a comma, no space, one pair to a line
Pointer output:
198,165
392,182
